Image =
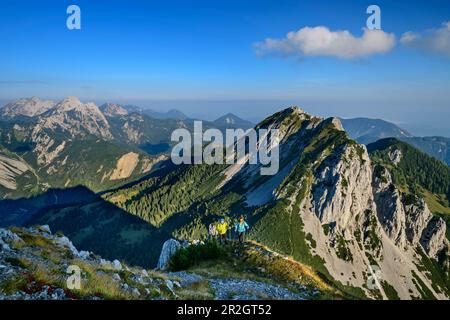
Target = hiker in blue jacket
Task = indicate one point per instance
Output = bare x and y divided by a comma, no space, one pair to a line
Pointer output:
241,228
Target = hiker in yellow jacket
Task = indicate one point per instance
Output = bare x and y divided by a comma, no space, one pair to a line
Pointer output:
222,228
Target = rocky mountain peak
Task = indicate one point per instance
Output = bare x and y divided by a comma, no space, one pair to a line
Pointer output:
71,100
35,99
112,109
73,103
28,107
70,119
230,118
74,116
296,109
287,115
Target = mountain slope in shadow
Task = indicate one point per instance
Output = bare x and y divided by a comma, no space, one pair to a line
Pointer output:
17,212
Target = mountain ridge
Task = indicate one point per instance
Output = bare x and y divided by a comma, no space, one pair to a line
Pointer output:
366,131
326,208
332,206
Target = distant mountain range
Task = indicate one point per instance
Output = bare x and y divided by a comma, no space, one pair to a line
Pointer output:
46,144
366,131
228,120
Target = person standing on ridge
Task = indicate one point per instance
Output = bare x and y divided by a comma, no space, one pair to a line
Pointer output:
241,228
222,228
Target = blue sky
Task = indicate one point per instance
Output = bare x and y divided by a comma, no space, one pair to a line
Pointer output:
199,57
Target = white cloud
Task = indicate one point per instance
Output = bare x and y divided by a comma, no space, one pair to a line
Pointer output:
320,41
433,40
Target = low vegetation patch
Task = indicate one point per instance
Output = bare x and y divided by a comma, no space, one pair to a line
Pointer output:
188,257
343,252
389,290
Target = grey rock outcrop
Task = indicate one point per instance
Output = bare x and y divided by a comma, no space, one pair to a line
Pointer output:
433,238
417,218
117,265
395,156
390,210
341,188
407,219
168,249
11,167
46,228
65,242
8,237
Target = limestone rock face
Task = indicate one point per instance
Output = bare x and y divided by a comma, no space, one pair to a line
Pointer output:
335,122
10,169
75,118
360,203
390,210
433,238
168,249
417,218
407,219
341,189
395,156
